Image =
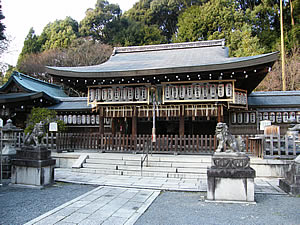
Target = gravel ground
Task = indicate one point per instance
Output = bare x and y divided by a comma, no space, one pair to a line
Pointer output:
20,205
180,208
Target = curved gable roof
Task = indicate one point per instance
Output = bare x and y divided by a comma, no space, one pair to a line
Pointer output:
30,84
161,59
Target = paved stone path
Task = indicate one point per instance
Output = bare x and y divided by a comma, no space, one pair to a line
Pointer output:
123,199
103,205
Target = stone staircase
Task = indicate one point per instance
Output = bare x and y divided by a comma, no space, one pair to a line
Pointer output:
166,166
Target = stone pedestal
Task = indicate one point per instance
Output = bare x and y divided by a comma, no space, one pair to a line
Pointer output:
291,183
33,167
230,179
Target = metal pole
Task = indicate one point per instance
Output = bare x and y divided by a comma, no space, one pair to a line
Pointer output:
282,48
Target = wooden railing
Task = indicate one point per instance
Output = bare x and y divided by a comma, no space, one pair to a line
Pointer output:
276,146
268,146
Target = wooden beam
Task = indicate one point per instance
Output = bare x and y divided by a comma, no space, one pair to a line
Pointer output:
101,121
220,113
134,122
181,122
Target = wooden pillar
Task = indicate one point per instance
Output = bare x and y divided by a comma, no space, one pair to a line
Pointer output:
134,122
181,121
220,114
113,126
101,121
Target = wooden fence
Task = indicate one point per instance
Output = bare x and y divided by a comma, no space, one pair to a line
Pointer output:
268,146
276,146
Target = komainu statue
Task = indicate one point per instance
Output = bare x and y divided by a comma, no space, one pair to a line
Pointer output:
228,141
36,136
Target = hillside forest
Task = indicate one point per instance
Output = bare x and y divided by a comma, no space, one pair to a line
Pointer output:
250,27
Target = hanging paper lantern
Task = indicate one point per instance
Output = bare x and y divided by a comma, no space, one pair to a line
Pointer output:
98,94
205,90
109,94
143,93
174,92
246,117
228,89
298,117
265,116
240,117
88,119
117,94
130,93
167,92
197,91
97,119
278,117
182,91
212,90
221,90
260,116
189,91
74,119
83,119
292,116
92,95
285,117
79,119
61,117
137,93
65,119
272,117
70,118
125,94
93,119
233,118
104,94
252,117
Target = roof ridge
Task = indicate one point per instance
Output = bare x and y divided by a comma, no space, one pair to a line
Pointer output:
16,73
146,48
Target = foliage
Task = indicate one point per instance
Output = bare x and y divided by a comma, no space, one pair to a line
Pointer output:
2,26
273,81
45,115
95,22
82,53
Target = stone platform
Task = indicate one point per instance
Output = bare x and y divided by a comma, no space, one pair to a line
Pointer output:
33,167
230,179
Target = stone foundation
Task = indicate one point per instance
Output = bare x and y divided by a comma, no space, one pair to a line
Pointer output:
33,166
230,179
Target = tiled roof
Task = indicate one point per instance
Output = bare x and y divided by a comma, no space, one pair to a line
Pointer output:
31,84
168,58
274,99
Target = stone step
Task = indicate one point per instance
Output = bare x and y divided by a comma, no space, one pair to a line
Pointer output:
150,163
139,173
156,158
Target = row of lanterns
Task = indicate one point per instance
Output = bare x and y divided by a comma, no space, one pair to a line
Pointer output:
274,117
198,91
80,119
118,94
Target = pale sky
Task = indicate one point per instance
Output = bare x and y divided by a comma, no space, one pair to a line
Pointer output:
21,15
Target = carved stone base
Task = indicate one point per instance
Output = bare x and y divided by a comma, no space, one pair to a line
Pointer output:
291,183
230,179
33,167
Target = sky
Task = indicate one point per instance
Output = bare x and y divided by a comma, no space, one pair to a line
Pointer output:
21,15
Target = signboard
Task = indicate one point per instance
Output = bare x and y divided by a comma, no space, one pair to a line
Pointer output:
53,127
264,123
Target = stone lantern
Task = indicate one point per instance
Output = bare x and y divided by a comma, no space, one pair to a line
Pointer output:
9,138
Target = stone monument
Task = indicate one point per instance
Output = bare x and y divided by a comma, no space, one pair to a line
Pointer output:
230,178
9,138
33,165
291,182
